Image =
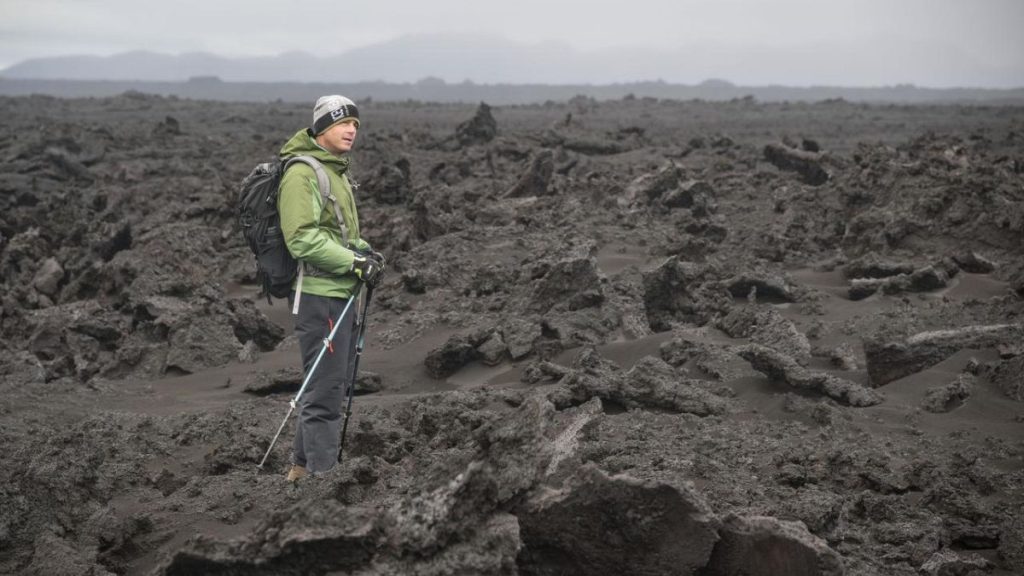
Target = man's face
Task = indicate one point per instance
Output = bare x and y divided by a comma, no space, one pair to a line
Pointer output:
340,137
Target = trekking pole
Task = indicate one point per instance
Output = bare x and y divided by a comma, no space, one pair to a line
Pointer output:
355,370
305,382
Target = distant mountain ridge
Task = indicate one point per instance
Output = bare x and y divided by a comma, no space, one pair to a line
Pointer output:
482,59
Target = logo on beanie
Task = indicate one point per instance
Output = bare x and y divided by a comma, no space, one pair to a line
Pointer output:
340,112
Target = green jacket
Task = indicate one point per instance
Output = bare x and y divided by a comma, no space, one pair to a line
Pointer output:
310,228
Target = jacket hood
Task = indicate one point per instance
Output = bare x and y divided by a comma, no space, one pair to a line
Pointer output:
303,144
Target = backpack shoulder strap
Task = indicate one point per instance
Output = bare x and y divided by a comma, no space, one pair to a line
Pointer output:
324,183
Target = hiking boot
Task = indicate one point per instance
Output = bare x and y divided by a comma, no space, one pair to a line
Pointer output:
296,472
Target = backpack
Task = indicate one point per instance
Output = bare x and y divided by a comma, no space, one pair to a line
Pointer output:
276,268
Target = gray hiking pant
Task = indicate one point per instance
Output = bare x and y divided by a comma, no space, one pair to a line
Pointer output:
321,409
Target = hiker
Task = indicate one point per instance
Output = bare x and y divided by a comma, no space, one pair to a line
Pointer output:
333,261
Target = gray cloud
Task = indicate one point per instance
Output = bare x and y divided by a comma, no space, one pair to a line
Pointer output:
927,42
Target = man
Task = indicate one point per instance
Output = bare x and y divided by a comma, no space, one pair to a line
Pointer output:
334,261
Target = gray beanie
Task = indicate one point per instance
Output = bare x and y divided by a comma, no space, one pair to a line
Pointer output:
332,109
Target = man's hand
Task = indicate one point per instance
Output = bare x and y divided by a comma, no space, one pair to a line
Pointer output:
379,258
368,269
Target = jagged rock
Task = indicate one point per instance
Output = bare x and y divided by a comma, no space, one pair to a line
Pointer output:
767,327
717,362
519,335
1009,376
616,525
392,183
890,360
843,357
970,261
861,288
949,563
770,287
697,195
571,284
201,343
651,187
536,180
413,282
283,544
949,396
542,370
458,351
251,325
778,366
48,277
249,353
671,292
650,384
770,547
923,279
1011,542
479,129
168,127
872,266
283,380
493,350
806,164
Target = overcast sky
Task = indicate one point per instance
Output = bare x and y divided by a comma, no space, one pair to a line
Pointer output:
927,42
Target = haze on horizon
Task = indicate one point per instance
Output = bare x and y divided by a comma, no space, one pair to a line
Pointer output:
934,43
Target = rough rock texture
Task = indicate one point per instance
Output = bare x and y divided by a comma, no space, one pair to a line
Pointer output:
890,360
650,384
771,547
479,129
778,366
675,291
616,525
767,327
807,164
1009,376
659,220
536,179
949,396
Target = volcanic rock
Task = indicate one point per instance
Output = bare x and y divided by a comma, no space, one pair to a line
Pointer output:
616,525
697,195
458,351
873,266
716,361
767,327
283,543
48,277
519,335
571,284
889,360
771,547
765,286
778,366
392,183
672,292
806,164
652,186
950,563
923,279
479,129
1009,376
536,180
201,343
970,261
650,384
950,396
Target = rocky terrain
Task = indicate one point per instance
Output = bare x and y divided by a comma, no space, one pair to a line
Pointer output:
622,337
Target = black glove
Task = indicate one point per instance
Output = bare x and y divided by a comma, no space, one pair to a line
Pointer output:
368,269
379,258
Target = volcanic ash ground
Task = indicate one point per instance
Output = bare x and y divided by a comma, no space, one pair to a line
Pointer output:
632,337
